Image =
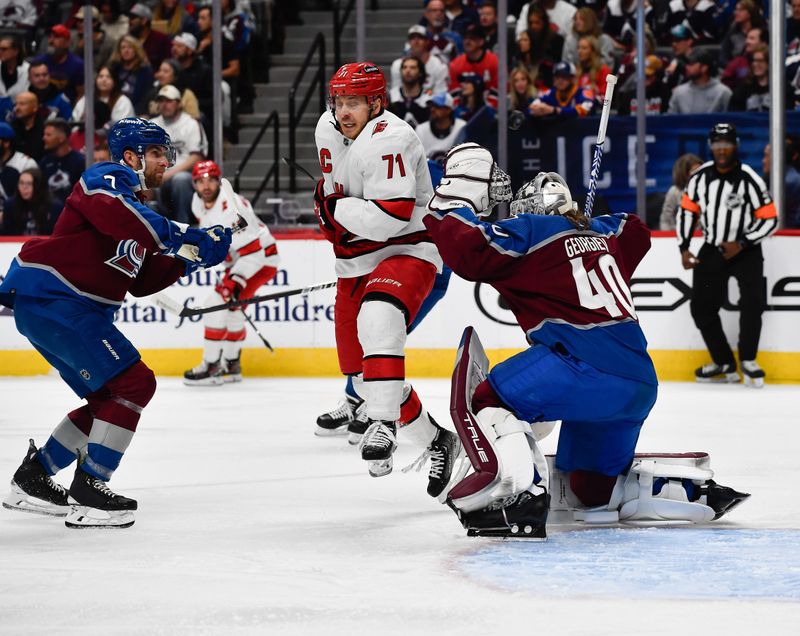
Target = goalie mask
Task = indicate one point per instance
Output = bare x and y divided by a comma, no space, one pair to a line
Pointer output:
471,176
546,193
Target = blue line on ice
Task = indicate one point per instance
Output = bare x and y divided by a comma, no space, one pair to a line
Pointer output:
658,563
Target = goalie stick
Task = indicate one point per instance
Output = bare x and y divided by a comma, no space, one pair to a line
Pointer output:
611,80
174,307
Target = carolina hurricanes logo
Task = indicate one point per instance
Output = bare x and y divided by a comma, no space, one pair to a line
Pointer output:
128,259
379,127
224,205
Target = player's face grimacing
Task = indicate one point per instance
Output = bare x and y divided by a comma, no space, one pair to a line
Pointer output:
353,112
156,162
207,188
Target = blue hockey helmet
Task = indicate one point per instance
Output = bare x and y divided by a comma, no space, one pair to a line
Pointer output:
137,134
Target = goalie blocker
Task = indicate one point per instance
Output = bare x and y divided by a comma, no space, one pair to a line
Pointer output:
503,486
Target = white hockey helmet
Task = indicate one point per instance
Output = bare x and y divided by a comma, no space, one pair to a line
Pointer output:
546,193
471,175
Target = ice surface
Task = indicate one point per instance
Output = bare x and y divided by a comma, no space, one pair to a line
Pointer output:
248,523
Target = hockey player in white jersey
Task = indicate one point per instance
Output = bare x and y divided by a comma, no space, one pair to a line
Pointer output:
370,203
252,262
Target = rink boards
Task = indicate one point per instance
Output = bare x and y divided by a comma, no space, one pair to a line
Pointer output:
301,328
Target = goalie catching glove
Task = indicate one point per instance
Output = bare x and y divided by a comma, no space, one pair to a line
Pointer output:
471,179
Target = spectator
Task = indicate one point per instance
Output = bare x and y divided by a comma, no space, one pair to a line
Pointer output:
587,23
459,17
194,74
442,131
682,45
532,59
436,72
546,43
791,193
61,165
592,72
167,73
566,99
747,15
793,29
77,138
66,68
32,211
657,93
523,92
476,59
177,18
739,67
231,67
9,155
793,80
157,46
699,16
471,98
620,21
189,141
102,43
113,22
559,13
683,168
487,18
409,100
13,67
51,100
445,44
28,125
18,14
129,63
627,64
107,90
702,93
102,152
752,95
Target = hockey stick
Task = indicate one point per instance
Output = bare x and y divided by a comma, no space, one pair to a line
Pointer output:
258,333
174,307
297,166
611,80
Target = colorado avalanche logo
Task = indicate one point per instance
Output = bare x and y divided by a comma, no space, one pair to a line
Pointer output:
128,259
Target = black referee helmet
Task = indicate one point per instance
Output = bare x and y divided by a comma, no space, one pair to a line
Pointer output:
723,132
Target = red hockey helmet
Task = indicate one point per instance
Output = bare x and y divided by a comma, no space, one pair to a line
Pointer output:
358,78
206,168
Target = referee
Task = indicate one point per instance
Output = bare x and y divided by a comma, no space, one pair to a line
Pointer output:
735,211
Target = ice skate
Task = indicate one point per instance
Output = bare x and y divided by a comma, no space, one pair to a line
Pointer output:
205,374
721,499
523,516
95,505
717,373
378,445
446,454
358,425
33,490
753,374
232,371
335,422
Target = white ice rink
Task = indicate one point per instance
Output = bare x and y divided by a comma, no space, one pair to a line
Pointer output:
249,524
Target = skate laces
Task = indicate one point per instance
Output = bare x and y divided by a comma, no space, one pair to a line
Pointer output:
54,486
436,453
342,410
378,434
419,462
100,485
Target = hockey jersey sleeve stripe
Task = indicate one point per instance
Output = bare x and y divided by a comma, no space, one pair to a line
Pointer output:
250,248
360,248
766,211
215,334
689,205
400,209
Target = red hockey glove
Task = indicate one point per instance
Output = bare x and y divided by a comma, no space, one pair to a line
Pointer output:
324,208
231,287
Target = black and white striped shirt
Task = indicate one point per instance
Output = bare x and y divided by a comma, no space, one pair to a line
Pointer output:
735,206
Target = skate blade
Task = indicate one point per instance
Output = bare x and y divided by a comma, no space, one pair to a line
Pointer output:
527,532
354,439
380,467
230,378
217,381
729,378
331,432
754,383
81,517
25,503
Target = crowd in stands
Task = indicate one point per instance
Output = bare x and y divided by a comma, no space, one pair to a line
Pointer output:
150,59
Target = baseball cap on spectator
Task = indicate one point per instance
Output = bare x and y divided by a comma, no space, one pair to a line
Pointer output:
141,10
652,65
417,30
60,31
79,14
168,91
474,31
442,100
702,56
6,131
680,32
564,69
187,39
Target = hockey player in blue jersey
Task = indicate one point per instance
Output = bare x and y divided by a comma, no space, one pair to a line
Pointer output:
65,289
566,278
